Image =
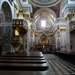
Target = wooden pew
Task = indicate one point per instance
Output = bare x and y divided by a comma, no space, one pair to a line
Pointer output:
27,61
67,56
47,72
25,54
21,58
24,66
22,61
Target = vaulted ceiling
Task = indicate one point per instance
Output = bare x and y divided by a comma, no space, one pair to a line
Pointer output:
47,10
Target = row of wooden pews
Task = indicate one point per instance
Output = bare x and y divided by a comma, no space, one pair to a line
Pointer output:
67,56
26,62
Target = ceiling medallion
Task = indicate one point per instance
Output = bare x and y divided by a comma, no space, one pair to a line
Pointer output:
44,3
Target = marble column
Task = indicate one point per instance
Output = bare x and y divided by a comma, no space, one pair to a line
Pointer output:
28,40
63,40
68,36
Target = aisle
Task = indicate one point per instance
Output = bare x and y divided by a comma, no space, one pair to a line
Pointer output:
59,66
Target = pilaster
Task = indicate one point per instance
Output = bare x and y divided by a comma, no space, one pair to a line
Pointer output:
68,12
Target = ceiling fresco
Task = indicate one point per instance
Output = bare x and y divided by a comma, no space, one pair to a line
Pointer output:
55,8
47,17
44,3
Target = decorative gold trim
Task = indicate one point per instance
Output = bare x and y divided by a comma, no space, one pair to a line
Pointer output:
15,7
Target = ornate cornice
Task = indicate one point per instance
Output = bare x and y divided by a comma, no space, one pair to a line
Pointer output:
68,11
70,15
23,14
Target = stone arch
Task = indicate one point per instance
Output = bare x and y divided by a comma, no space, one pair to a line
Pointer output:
9,5
44,13
7,14
45,9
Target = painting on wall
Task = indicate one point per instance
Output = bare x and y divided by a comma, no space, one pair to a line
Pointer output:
56,9
43,40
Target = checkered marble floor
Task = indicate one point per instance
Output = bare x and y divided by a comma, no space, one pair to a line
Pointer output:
58,66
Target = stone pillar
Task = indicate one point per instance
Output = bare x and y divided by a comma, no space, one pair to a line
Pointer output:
0,17
68,36
25,42
34,39
28,40
63,40
55,37
50,39
37,40
1,39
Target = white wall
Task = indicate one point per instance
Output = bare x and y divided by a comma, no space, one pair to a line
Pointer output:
63,40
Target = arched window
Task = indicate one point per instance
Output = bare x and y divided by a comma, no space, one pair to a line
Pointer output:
43,23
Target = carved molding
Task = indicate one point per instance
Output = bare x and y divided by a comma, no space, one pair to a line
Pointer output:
31,28
22,13
27,16
15,7
72,26
70,15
